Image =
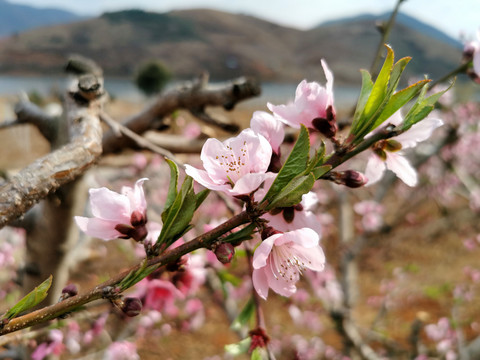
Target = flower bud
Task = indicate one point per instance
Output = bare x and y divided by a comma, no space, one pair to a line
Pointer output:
224,252
352,178
326,126
68,291
130,306
259,338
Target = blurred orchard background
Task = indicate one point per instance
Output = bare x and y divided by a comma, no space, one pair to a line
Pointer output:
407,256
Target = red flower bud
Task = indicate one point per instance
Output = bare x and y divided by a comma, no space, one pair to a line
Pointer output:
130,306
352,178
224,252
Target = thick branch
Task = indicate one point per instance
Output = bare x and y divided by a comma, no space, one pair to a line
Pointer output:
60,167
29,113
189,97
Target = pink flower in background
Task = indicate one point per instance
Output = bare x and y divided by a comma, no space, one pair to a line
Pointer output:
116,215
387,154
157,294
267,125
236,166
53,346
281,258
372,214
121,350
444,336
312,101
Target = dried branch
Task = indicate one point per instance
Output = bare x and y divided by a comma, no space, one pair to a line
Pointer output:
139,140
29,113
175,143
60,167
189,97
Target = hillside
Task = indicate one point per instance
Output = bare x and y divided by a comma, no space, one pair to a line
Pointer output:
16,18
226,45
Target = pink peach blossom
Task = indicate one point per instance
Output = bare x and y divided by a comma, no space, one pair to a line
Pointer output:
121,350
114,213
236,166
267,125
311,101
281,258
387,154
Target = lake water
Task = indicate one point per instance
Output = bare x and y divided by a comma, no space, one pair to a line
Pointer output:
124,89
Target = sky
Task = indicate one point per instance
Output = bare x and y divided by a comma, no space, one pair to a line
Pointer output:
457,18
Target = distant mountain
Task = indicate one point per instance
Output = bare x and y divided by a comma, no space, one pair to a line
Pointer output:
226,45
402,19
16,18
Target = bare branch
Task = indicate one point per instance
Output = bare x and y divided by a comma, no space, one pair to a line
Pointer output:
187,97
60,167
29,113
139,140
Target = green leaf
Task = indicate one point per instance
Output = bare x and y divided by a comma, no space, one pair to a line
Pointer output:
367,85
318,172
239,348
293,192
226,276
422,107
172,187
241,235
380,87
398,100
136,275
30,300
317,160
178,216
245,315
259,353
295,165
200,197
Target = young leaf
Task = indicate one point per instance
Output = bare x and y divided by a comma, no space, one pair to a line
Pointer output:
295,165
244,317
259,353
380,87
177,217
422,107
172,188
241,235
367,85
200,197
318,172
136,275
292,193
239,348
30,300
398,100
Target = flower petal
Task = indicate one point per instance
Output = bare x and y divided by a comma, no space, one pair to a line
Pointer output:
260,283
109,205
99,228
271,128
375,169
263,251
202,177
247,184
402,168
419,132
